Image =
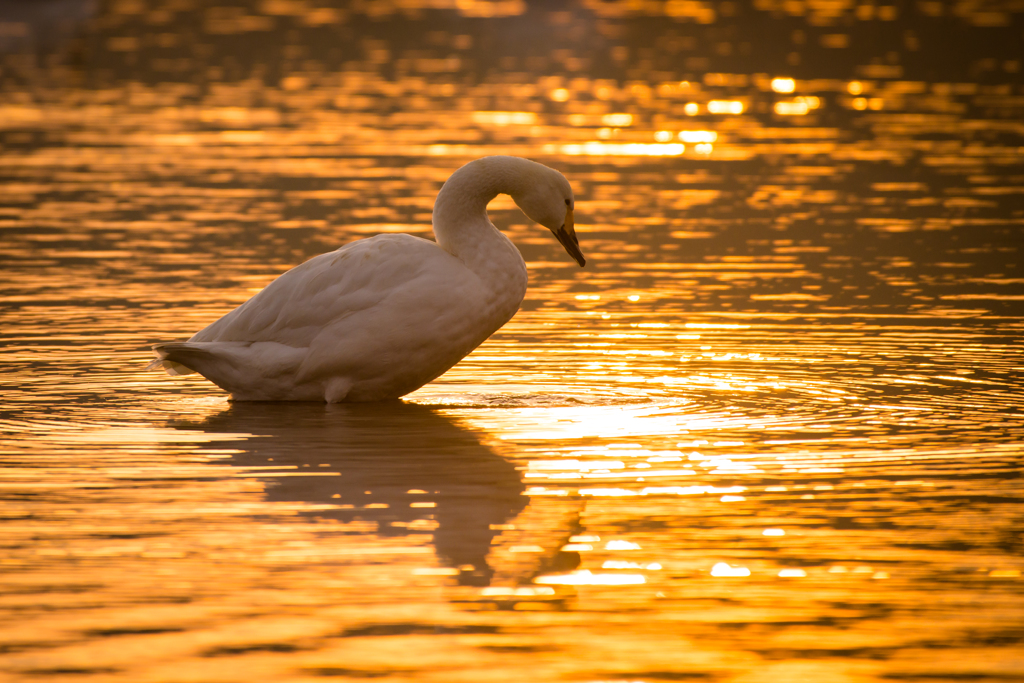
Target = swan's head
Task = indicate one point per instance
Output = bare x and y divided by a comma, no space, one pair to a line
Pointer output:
547,198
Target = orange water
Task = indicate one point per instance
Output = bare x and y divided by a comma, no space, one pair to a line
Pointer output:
771,432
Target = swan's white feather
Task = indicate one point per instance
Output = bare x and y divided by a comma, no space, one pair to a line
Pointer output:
296,308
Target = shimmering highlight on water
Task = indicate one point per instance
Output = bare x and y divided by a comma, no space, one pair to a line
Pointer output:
771,432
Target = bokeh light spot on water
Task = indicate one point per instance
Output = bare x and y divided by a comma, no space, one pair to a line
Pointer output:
772,431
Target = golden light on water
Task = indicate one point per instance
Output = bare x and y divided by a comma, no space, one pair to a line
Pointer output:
617,120
771,430
560,95
792,573
797,107
725,107
620,149
698,136
784,85
723,569
585,577
505,118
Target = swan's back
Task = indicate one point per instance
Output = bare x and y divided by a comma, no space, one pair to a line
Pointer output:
295,308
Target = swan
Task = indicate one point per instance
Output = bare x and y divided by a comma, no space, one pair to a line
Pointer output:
380,317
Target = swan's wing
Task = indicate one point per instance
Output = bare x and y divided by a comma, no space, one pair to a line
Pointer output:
320,293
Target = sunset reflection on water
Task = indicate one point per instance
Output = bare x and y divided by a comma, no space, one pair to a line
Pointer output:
772,431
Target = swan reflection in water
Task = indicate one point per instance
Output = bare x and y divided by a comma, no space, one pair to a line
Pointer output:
390,456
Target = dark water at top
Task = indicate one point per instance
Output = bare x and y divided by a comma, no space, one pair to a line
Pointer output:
772,431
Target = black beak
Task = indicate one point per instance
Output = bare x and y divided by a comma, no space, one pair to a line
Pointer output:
567,237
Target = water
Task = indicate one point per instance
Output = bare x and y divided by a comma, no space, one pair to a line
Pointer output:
772,431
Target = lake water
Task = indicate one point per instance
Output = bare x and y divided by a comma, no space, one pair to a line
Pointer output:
774,430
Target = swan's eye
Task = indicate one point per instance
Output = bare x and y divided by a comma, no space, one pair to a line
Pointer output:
567,202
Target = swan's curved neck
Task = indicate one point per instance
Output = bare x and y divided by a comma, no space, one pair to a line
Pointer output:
460,211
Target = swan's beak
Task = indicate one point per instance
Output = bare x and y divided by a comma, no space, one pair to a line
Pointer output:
567,237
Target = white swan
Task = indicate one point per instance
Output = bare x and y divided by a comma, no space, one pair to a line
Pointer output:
381,317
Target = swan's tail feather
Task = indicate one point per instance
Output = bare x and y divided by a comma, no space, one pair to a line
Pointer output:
263,370
172,358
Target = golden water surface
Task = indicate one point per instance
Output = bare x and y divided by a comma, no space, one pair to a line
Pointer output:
771,432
